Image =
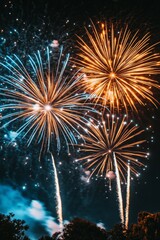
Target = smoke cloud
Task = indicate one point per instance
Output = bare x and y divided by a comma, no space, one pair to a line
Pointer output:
32,211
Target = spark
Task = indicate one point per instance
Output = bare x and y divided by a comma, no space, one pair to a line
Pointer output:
127,198
118,68
58,195
119,191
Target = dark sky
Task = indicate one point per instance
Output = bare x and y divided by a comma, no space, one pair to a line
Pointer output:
91,201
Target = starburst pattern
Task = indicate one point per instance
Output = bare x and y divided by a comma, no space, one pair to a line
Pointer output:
119,67
117,138
46,102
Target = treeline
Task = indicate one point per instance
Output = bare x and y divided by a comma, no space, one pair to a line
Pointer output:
146,228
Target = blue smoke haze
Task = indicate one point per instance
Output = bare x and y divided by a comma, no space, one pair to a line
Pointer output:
32,211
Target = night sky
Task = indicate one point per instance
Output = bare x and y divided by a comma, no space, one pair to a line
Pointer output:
28,26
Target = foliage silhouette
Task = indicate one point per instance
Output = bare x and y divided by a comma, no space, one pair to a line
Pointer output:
11,228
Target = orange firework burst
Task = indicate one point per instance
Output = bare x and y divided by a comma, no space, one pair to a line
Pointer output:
118,67
114,139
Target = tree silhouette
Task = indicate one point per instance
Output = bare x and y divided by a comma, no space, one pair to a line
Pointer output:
147,228
79,229
46,238
12,229
57,236
117,233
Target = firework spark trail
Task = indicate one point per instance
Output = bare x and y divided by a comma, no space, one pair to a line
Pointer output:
58,195
128,198
119,190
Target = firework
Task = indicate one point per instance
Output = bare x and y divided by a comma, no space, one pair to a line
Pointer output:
118,67
128,198
58,195
111,146
46,102
119,191
113,136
